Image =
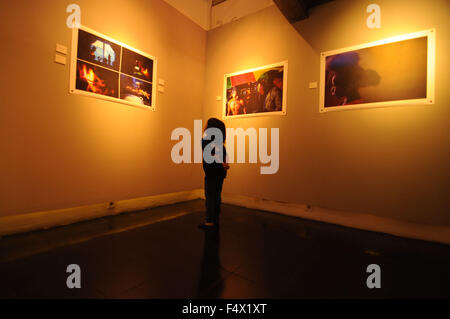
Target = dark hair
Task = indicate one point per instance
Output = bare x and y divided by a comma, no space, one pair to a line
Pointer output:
216,123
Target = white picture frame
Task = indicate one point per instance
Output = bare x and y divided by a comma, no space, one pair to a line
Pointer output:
73,71
283,65
430,73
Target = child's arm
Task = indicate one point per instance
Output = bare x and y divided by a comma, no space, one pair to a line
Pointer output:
225,164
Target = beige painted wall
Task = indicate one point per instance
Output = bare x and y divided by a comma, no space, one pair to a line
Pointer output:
60,150
198,11
390,162
231,10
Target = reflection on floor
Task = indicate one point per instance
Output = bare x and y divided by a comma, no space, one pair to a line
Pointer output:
160,253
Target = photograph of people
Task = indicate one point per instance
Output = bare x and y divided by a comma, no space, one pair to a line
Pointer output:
259,91
234,104
394,71
345,77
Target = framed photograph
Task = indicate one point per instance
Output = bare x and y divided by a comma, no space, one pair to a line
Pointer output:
394,71
256,92
107,69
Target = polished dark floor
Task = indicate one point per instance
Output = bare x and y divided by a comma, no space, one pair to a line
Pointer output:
160,253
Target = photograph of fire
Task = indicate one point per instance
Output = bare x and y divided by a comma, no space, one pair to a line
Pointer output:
137,65
225,158
95,79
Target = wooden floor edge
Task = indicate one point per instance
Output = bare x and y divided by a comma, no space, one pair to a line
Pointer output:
438,234
47,219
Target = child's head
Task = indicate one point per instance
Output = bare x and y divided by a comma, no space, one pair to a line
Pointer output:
216,123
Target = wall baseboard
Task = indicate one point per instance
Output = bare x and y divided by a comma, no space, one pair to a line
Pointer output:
47,219
439,234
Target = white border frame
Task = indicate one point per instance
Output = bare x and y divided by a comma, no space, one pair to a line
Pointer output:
431,56
73,70
284,64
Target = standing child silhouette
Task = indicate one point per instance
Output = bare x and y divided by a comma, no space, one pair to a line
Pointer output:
215,167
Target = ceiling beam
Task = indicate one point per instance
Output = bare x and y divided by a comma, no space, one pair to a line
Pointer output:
216,2
293,10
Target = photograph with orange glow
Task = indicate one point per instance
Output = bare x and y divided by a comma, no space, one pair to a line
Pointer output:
95,79
135,90
395,71
107,69
259,91
137,65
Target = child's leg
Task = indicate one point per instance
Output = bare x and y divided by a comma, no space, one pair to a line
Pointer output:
209,199
218,199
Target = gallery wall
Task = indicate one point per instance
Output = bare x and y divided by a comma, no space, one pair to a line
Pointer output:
391,162
198,11
231,10
61,150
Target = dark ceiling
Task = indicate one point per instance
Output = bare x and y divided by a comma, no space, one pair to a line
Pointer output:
296,10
